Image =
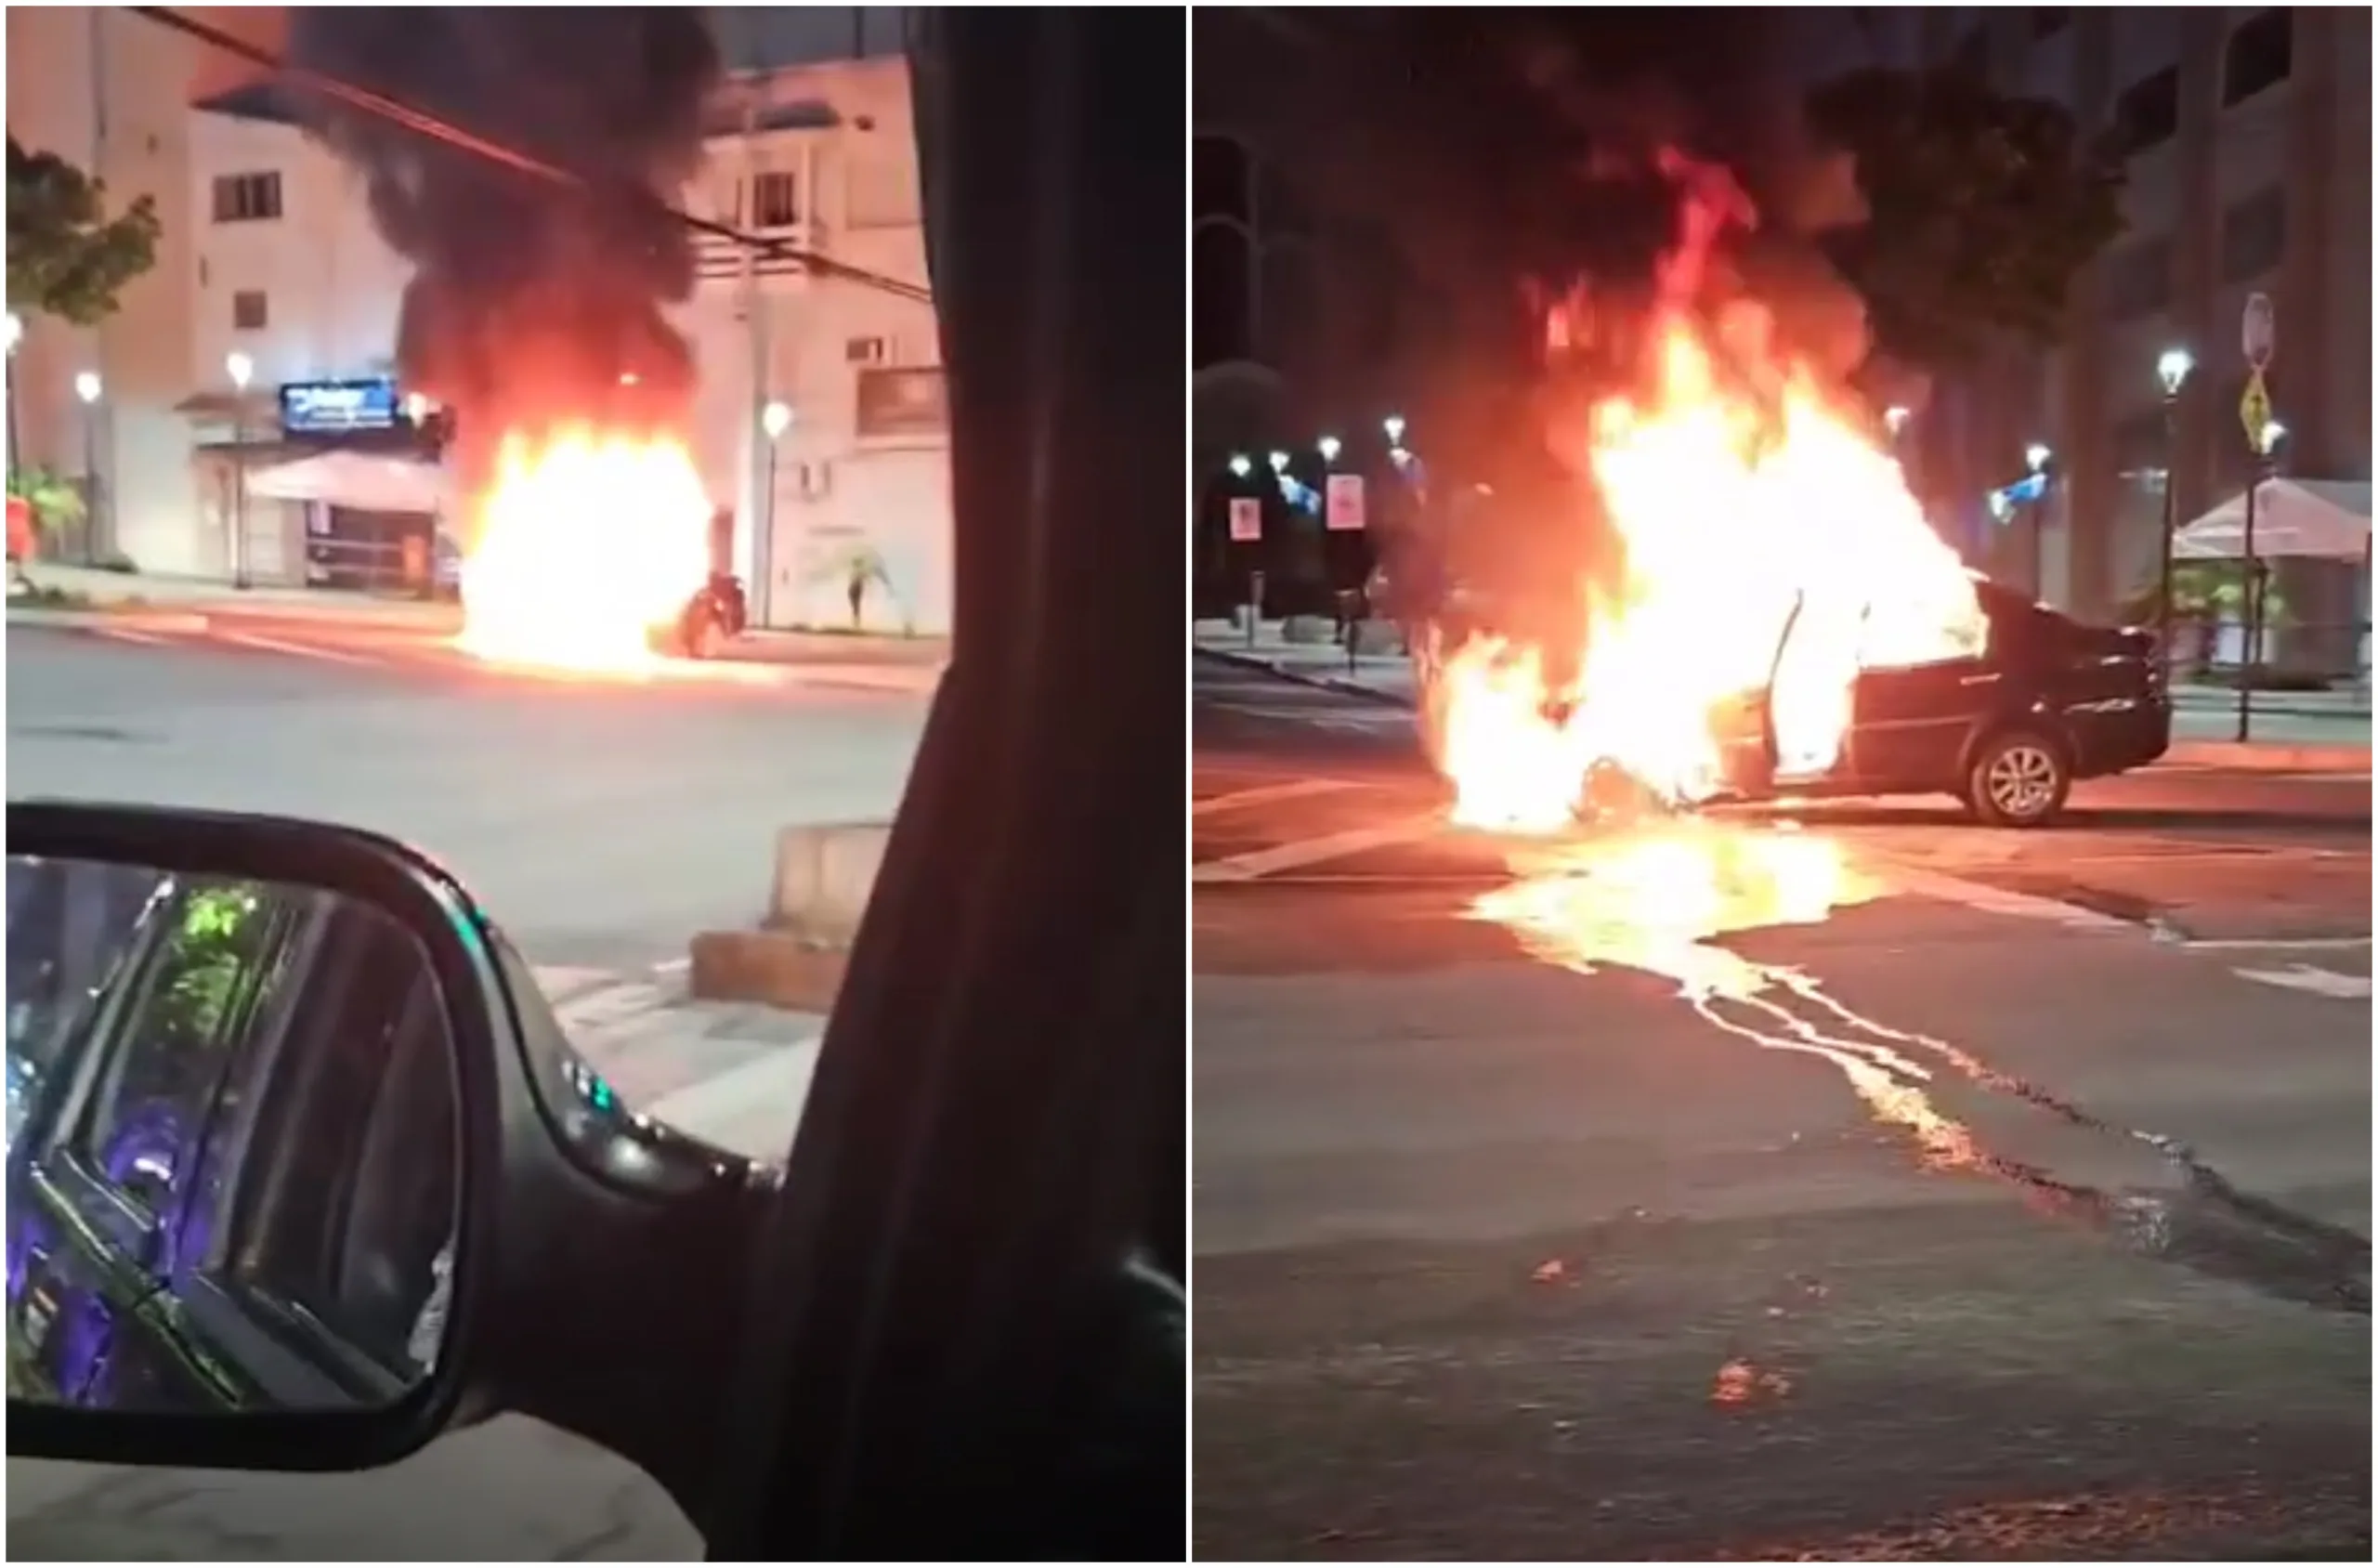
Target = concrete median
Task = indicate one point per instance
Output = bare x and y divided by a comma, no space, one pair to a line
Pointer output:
825,873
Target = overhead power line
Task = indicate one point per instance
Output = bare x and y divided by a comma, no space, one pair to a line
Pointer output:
434,129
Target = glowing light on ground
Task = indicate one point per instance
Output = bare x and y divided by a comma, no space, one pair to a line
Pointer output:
1660,900
587,541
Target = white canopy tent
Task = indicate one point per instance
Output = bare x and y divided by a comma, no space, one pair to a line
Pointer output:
2301,520
365,481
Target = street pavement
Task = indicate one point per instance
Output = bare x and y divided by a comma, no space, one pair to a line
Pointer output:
601,821
1849,1184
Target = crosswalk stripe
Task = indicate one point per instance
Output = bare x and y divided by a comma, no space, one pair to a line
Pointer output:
300,650
2318,982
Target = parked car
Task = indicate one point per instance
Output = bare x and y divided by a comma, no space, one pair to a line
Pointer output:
2048,700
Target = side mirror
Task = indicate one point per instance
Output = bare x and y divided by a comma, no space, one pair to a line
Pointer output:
302,1171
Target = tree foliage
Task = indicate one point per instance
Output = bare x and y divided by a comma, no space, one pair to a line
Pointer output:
67,258
1982,208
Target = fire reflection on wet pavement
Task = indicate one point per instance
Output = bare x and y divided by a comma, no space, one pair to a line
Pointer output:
1661,897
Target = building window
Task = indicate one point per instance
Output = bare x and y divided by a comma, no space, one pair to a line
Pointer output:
2138,280
2254,235
247,198
2260,55
866,351
903,402
776,201
2049,21
248,310
2149,110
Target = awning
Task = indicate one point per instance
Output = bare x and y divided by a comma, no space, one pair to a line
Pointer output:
366,482
2303,519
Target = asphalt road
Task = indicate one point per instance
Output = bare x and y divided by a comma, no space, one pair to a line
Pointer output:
1854,1183
601,820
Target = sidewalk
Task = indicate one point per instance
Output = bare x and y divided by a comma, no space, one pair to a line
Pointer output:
2291,730
171,605
196,598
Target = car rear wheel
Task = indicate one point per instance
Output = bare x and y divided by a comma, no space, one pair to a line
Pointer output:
2019,779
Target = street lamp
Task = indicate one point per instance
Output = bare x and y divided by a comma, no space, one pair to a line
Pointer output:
240,369
2036,457
1393,426
1330,447
1895,418
775,418
2172,369
87,389
1240,465
1279,461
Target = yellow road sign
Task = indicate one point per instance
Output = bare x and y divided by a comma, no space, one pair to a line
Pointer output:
2254,411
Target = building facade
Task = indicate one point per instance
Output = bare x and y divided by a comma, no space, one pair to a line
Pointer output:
270,261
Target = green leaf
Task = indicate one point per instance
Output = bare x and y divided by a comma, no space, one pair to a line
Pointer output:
67,258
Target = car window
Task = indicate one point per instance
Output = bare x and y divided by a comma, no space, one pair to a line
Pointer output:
344,1218
175,1039
69,922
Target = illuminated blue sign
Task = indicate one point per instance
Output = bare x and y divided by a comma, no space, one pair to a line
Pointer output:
329,408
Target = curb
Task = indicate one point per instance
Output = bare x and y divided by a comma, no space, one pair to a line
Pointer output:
1281,671
102,615
2256,756
775,968
825,874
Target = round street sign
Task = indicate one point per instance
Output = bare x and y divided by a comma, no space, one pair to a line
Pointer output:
2261,330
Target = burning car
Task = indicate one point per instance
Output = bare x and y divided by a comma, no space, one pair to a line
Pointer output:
2004,729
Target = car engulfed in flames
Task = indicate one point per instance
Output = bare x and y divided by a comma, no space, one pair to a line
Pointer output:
1766,550
586,546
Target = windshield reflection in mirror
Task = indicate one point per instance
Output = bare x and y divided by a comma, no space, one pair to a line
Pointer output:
233,1145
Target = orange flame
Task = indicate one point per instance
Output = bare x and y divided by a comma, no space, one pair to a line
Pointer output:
1766,544
587,543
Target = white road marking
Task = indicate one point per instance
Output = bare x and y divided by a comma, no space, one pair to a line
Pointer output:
1999,901
2273,944
300,650
2320,982
122,634
1263,793
672,966
1256,863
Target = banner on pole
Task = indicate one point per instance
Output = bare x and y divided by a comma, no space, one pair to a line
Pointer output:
1345,504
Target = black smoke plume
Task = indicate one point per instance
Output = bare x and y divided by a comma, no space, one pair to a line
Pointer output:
531,302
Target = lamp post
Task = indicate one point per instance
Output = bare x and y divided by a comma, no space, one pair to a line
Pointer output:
2172,370
1329,446
1895,420
240,369
775,418
87,389
16,335
1393,426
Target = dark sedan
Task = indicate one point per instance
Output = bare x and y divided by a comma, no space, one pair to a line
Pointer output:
2047,701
